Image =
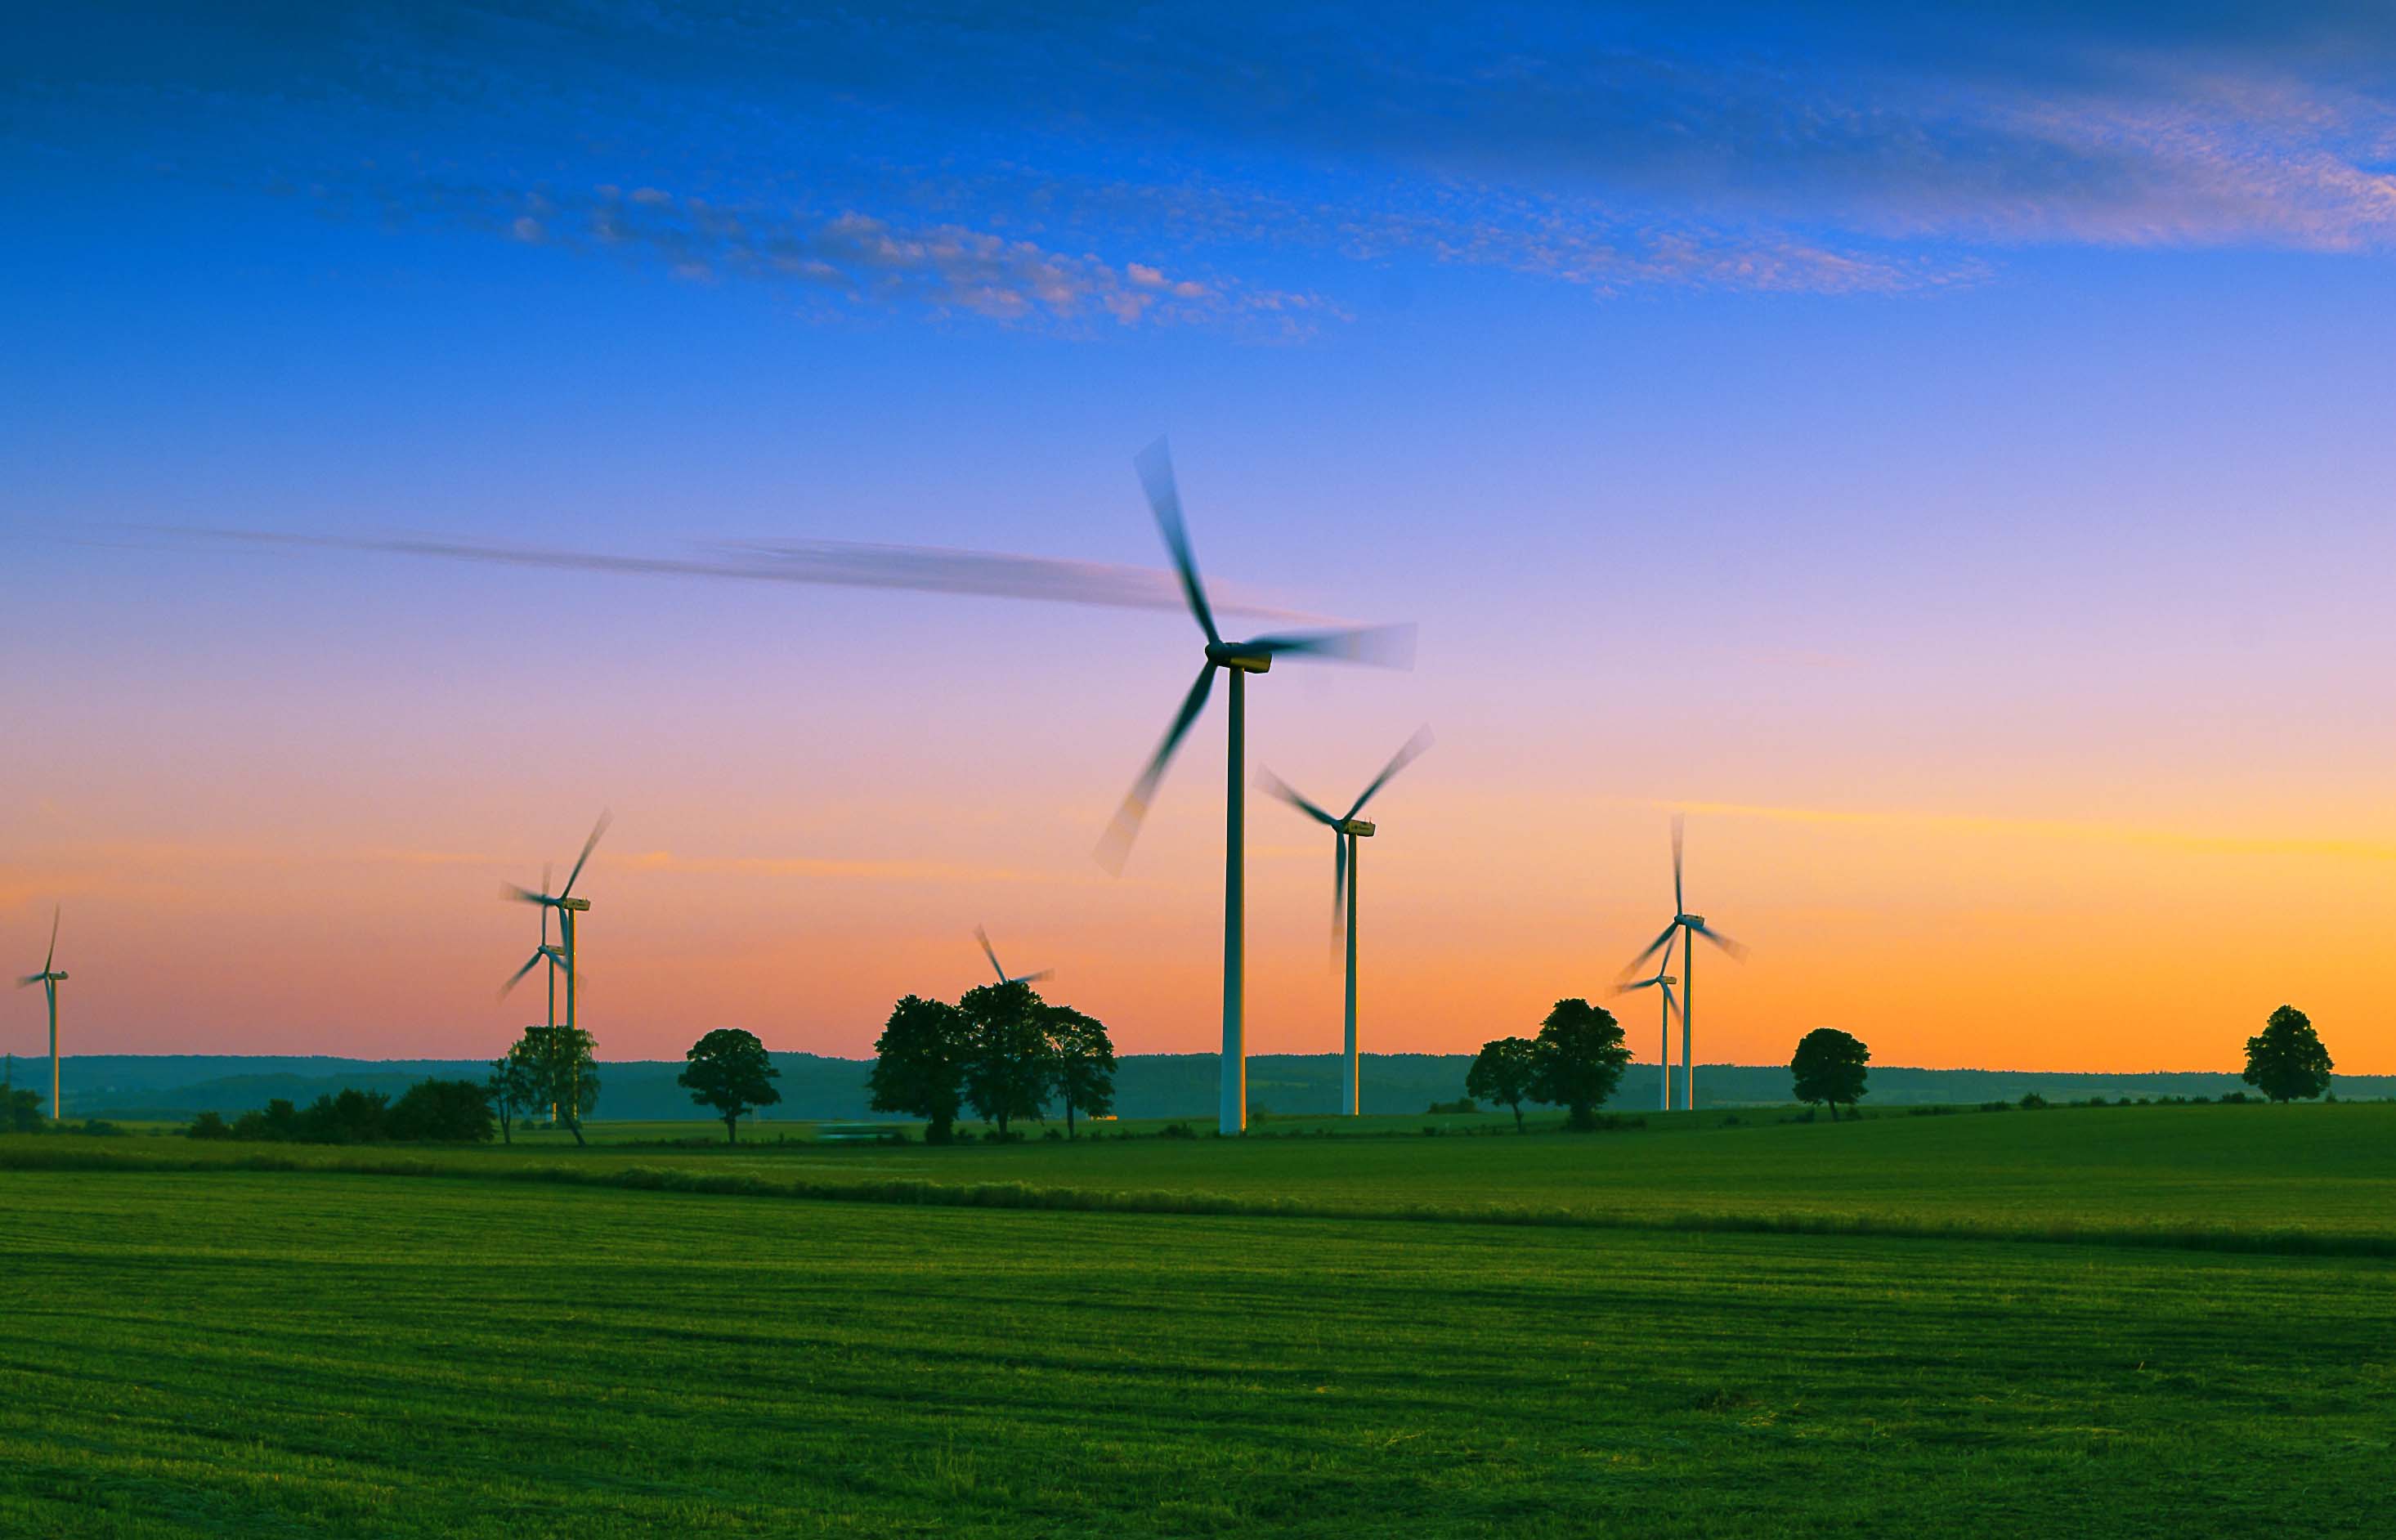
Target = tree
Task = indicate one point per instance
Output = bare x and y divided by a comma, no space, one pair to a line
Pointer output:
1578,1059
731,1072
513,1087
1009,1066
21,1111
2287,1062
1829,1067
349,1116
919,1065
1502,1073
1084,1060
564,1076
209,1125
443,1111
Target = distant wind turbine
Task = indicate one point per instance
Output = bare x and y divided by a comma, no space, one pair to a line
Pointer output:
1686,927
562,956
50,978
1663,980
1346,830
1391,644
984,936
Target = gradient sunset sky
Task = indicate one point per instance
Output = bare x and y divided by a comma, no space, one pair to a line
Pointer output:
1949,456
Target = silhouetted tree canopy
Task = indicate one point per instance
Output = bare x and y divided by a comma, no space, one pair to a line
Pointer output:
731,1072
442,1112
1084,1061
564,1074
515,1088
2287,1062
1576,1060
1502,1073
1010,1066
919,1065
1829,1068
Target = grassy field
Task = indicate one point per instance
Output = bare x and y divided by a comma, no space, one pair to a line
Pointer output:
224,1350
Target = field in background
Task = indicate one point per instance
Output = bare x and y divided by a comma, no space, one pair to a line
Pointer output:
481,1348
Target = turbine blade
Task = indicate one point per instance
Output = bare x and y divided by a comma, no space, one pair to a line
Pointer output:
1653,947
525,895
598,828
50,959
1282,788
1035,977
1338,884
1640,984
1384,646
1680,906
33,979
1155,465
984,936
1399,761
517,978
1115,846
1735,949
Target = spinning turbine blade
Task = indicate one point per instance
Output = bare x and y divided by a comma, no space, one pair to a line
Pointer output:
1680,906
1735,949
1034,978
588,845
1399,761
1653,947
1289,794
984,936
1155,465
517,978
1384,646
1115,846
525,895
49,958
1339,885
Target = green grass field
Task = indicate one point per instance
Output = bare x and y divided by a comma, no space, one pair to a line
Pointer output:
479,1347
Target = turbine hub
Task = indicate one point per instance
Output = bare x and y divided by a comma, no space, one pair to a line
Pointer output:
1361,827
1690,919
1240,656
578,905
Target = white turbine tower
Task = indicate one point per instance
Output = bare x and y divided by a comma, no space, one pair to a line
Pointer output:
1345,832
1392,644
1004,977
1663,980
1686,927
50,978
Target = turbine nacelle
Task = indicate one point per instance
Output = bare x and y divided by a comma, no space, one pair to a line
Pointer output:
1361,827
576,905
1695,922
1247,656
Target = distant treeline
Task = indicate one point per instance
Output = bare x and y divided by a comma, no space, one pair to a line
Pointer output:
173,1087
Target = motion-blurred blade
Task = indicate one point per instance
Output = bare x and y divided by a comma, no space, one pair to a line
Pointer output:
42,977
598,828
1384,646
1155,465
1636,983
1115,846
1735,949
1680,905
1339,885
49,958
1035,977
517,978
526,895
1288,793
1653,948
984,936
1399,761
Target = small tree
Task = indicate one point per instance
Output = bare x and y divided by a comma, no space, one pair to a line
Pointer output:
443,1111
564,1075
1009,1065
1502,1073
1578,1059
1829,1067
209,1125
919,1065
2287,1063
513,1087
21,1111
731,1072
349,1116
1084,1060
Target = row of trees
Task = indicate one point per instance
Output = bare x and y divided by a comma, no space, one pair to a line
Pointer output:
432,1111
1000,1049
1578,1059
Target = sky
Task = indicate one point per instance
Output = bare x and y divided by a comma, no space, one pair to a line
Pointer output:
1945,457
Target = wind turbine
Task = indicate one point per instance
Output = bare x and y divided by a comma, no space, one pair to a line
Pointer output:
1686,927
984,936
1664,981
50,978
1392,644
1345,832
561,956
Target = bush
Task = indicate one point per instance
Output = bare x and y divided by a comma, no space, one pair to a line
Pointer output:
443,1111
2031,1102
1461,1105
1996,1107
209,1125
2233,1096
1176,1130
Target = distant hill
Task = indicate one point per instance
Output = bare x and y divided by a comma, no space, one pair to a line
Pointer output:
1147,1085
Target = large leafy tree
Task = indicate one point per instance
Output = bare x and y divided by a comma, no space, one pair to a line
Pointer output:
443,1111
1829,1068
514,1089
2287,1062
1010,1066
730,1071
1502,1073
564,1075
1084,1060
919,1065
1576,1060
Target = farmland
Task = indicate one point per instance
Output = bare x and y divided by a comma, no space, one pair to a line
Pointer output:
224,1350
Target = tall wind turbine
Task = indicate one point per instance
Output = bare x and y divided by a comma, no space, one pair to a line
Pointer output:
1663,980
1392,644
562,956
50,978
1004,977
1686,927
1345,832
